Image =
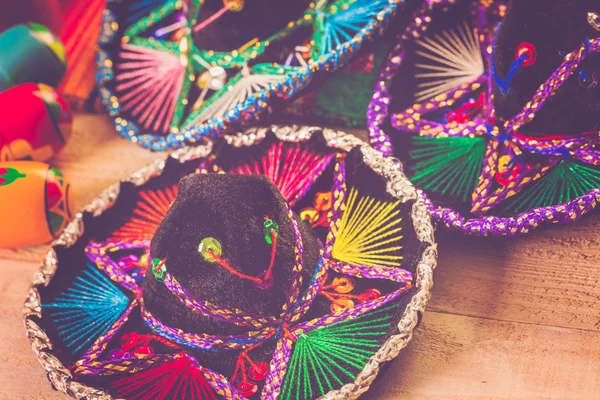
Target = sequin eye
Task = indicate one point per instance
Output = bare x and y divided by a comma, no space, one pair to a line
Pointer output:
528,50
270,227
209,248
588,81
594,20
159,269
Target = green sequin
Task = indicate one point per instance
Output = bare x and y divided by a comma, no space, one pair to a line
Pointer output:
210,247
159,273
270,226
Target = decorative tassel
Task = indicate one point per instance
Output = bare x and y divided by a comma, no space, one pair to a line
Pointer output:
150,82
337,28
457,60
292,168
563,183
149,212
180,379
449,166
369,232
332,354
87,309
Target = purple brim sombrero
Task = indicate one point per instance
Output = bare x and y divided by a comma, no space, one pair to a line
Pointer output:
99,332
480,175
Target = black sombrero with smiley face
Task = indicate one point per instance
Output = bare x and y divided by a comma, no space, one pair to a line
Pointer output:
288,262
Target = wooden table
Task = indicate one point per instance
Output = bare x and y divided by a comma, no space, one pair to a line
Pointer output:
509,318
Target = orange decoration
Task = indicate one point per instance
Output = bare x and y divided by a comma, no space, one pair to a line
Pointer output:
36,203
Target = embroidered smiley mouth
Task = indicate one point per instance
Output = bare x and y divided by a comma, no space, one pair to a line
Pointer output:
211,251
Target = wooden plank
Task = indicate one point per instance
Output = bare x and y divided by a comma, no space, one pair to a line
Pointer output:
94,158
463,358
551,277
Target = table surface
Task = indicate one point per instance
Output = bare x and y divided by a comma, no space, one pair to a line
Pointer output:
509,318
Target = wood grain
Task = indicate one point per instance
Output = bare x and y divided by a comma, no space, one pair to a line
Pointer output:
455,357
551,277
509,318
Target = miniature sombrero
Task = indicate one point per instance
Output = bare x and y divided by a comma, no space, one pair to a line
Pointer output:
504,140
287,262
171,72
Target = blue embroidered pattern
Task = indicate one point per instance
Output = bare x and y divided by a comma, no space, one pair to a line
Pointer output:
88,309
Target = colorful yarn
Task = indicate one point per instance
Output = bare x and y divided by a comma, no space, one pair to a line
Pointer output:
292,168
149,212
449,166
368,233
457,60
564,182
87,309
333,28
329,354
148,84
179,379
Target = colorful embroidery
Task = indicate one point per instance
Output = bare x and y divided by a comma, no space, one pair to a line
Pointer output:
318,215
149,212
148,81
369,232
87,309
329,354
291,167
449,166
153,102
504,149
464,155
566,181
457,60
179,379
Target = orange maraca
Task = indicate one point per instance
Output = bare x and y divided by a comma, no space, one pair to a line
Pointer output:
36,203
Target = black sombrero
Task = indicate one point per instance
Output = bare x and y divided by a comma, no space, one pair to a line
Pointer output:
287,262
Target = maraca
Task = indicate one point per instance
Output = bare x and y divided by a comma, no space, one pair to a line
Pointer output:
37,123
30,53
35,203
